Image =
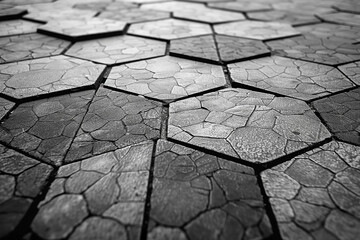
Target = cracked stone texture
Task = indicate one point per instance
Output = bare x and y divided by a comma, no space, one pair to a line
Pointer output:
5,107
105,6
47,75
115,120
317,50
10,12
117,49
226,202
81,29
348,7
254,126
13,27
341,112
289,77
257,30
59,15
166,78
21,180
111,186
352,71
170,29
308,7
243,6
316,195
46,128
30,46
134,15
341,18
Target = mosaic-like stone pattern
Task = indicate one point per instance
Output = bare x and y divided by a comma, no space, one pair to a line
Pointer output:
352,70
243,6
134,15
170,29
47,75
348,7
225,197
81,29
166,78
341,18
102,197
5,107
46,128
341,113
11,13
105,6
303,6
289,77
316,195
30,46
115,120
56,15
21,180
256,30
254,126
14,27
118,49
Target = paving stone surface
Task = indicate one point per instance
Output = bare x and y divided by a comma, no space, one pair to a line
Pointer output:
352,71
30,46
115,120
134,15
225,197
166,78
289,77
243,6
47,75
341,18
253,126
117,49
64,14
348,7
13,27
105,6
316,194
5,107
7,13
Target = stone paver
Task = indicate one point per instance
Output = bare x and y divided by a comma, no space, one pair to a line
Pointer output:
134,15
254,126
348,7
166,78
225,197
30,46
7,13
115,120
5,107
117,49
105,6
63,14
341,18
13,27
316,194
47,75
352,70
243,6
289,77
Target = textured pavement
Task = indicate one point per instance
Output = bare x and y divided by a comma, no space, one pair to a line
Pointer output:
181,120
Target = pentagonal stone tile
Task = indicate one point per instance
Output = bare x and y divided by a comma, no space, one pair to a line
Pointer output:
134,15
14,27
81,29
5,107
8,12
58,15
118,49
170,29
254,126
47,75
256,30
341,18
226,202
166,78
341,113
21,180
313,49
352,70
243,6
115,120
351,7
105,6
46,128
30,46
289,77
316,195
112,186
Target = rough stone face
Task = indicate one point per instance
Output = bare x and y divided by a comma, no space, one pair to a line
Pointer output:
105,6
352,71
13,27
350,7
256,127
134,15
8,12
341,18
64,13
166,78
100,190
243,6
225,198
324,193
5,107
293,18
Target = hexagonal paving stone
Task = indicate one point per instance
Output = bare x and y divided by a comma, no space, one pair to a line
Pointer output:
243,6
117,49
8,12
115,120
61,14
170,29
226,202
30,46
341,18
134,15
47,75
316,195
21,180
82,29
105,6
317,50
256,30
289,77
112,186
5,107
166,78
352,71
46,128
341,112
254,126
23,2
14,27
352,7
303,6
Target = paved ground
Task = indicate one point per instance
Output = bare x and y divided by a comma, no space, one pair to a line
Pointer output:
159,119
